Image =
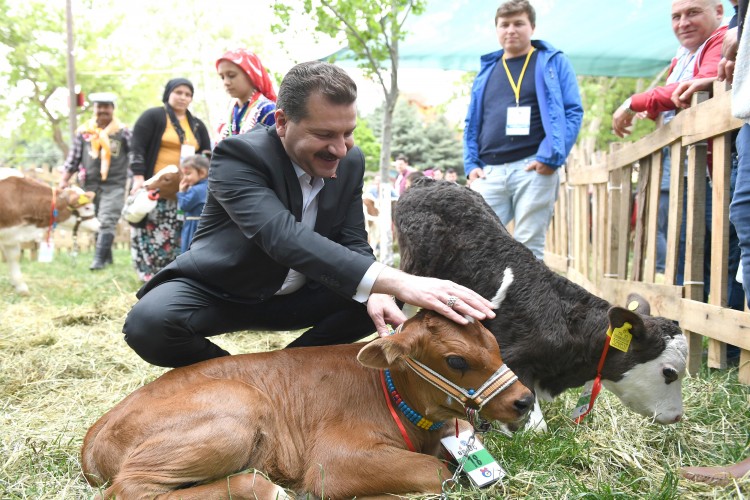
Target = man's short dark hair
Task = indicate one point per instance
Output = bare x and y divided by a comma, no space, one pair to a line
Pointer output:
306,78
515,7
403,157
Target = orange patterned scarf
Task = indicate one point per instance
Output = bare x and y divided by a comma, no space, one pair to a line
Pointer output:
99,140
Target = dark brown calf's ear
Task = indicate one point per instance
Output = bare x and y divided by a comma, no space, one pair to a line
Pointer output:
618,316
638,304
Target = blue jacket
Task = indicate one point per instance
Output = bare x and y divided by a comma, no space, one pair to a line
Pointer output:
559,104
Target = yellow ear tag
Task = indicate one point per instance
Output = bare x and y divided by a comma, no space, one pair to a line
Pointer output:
83,200
621,337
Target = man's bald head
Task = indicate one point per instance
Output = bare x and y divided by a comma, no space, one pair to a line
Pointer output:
693,21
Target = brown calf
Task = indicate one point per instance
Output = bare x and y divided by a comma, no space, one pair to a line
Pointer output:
312,419
167,181
26,212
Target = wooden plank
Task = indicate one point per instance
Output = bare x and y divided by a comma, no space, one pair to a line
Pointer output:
720,323
639,244
623,220
635,151
585,229
695,236
615,201
589,174
665,300
582,228
567,222
708,119
600,235
575,229
654,191
579,279
675,211
557,263
743,376
722,146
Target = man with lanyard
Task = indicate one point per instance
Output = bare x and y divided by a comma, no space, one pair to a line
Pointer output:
100,155
696,24
523,119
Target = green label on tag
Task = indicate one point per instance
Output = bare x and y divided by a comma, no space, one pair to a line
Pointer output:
476,460
621,337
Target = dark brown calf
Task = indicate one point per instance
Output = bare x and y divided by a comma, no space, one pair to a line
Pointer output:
311,419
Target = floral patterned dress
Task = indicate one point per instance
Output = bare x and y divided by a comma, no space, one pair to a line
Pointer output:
156,244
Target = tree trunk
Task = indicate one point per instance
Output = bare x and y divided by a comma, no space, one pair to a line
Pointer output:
58,138
391,97
384,196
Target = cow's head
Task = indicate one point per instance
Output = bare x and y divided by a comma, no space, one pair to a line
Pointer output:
80,203
463,356
167,181
648,377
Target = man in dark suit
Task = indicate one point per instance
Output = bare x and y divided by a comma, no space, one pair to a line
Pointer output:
281,244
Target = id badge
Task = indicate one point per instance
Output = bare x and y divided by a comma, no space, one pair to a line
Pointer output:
479,465
584,400
518,121
46,251
186,151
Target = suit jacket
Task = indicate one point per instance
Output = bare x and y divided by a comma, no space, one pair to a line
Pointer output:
250,233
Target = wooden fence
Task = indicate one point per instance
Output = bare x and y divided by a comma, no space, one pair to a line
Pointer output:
591,239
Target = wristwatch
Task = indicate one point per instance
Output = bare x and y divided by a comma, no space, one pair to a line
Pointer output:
626,106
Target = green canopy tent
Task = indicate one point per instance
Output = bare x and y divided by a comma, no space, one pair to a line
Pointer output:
601,37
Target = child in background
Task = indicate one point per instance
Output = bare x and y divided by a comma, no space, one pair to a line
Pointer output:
192,195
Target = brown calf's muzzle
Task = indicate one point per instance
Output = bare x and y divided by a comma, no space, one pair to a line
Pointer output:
511,408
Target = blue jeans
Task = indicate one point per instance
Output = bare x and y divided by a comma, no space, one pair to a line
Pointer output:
527,198
739,210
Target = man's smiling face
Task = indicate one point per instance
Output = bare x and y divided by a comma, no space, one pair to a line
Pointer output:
322,138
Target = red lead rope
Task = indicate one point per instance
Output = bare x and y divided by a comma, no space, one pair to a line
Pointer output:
597,387
52,214
394,414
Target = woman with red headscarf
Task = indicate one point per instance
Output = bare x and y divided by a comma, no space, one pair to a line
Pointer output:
246,80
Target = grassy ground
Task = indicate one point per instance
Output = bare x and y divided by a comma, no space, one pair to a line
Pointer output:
63,363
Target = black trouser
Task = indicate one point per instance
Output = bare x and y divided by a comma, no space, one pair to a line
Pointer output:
169,325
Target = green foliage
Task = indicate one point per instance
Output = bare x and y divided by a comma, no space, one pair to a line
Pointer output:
33,36
370,28
601,96
427,141
365,139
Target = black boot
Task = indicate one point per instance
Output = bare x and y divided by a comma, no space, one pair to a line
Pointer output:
108,257
103,249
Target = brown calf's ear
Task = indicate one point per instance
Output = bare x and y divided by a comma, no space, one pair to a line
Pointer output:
618,316
386,352
381,353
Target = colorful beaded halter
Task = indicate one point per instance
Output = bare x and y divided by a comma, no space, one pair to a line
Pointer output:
413,417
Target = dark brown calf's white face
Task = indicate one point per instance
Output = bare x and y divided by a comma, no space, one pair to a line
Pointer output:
654,388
